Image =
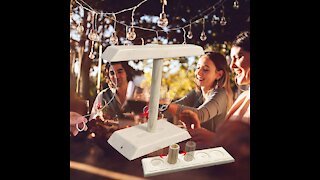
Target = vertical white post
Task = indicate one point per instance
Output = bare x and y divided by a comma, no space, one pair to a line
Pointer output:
154,94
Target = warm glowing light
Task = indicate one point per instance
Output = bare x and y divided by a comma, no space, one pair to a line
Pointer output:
93,135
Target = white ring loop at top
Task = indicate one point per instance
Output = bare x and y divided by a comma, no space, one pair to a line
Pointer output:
84,126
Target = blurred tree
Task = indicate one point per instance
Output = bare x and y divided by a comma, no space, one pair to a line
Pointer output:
178,83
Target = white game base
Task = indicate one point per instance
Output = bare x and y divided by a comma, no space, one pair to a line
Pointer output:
136,141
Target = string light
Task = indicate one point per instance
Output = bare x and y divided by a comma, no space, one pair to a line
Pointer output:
163,20
114,39
91,55
93,35
190,35
131,35
203,36
207,12
192,20
236,4
223,21
184,36
214,20
80,28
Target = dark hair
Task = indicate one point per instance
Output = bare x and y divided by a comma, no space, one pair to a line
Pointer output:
126,67
243,40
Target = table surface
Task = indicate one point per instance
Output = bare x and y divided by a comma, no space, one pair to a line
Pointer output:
98,153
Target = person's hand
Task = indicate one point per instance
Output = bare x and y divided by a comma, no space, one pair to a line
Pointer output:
189,117
76,118
203,137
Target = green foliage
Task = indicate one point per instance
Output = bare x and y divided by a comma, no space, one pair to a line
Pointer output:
178,84
174,85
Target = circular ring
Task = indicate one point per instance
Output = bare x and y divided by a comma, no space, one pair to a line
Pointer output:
84,126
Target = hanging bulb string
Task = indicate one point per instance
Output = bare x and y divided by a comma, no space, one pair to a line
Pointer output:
115,21
136,27
192,21
132,14
92,20
95,20
147,29
107,13
211,9
89,7
203,24
129,9
184,36
126,28
92,43
163,7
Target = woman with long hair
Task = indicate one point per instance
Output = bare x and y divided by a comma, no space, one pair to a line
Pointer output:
213,97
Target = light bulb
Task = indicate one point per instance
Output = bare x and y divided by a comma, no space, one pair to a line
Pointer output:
190,35
93,36
223,21
131,35
163,21
213,21
236,4
91,55
114,38
203,36
80,29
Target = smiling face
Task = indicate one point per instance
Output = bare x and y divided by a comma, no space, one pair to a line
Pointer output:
206,73
240,65
118,75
